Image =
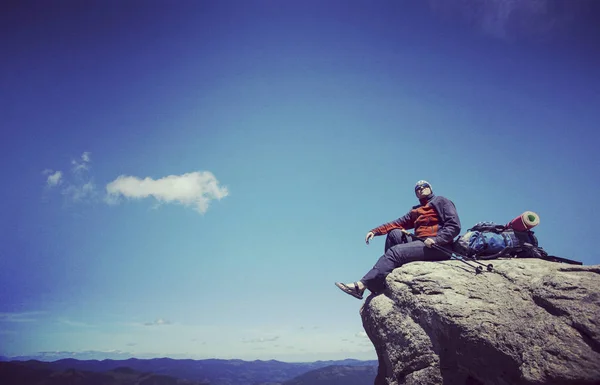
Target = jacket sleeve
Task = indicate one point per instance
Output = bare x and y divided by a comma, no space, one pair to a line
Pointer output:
450,222
405,222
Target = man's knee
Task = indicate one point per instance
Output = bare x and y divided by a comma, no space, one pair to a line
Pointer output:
397,236
394,237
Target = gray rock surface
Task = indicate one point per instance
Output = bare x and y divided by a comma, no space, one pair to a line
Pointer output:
529,321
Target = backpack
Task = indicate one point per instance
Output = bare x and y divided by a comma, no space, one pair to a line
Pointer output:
487,240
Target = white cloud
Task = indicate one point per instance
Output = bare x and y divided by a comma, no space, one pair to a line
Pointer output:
361,334
80,192
260,340
158,322
54,179
195,189
30,316
512,19
83,164
79,186
69,322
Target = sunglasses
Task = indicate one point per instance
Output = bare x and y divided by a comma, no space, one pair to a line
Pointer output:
421,187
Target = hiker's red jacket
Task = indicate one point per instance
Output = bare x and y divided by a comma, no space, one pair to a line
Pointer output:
435,218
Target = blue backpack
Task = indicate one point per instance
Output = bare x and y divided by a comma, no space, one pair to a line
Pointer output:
491,240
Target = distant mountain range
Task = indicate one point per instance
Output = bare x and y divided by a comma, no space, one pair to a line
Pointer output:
337,375
185,371
20,373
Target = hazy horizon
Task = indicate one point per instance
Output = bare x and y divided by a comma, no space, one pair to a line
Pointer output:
122,356
51,356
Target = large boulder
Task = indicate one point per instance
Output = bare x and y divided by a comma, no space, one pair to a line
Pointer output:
530,321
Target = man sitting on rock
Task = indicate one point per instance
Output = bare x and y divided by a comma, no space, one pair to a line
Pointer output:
434,218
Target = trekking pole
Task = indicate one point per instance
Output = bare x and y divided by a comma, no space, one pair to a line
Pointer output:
488,266
459,257
453,255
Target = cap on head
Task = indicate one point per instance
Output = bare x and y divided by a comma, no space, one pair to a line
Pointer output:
422,184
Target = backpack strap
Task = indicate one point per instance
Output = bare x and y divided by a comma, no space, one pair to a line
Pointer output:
488,227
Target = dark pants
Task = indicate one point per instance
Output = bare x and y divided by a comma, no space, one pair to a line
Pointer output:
397,253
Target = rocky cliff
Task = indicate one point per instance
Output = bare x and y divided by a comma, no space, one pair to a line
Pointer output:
529,321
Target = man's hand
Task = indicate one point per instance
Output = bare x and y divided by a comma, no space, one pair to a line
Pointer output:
429,242
369,236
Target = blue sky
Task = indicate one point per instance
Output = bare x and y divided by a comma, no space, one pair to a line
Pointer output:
189,179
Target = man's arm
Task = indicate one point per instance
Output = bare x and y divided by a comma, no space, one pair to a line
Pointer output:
404,222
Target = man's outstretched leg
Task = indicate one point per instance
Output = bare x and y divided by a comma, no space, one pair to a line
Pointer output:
395,257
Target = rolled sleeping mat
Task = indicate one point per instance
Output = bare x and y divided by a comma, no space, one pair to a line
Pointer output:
525,221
